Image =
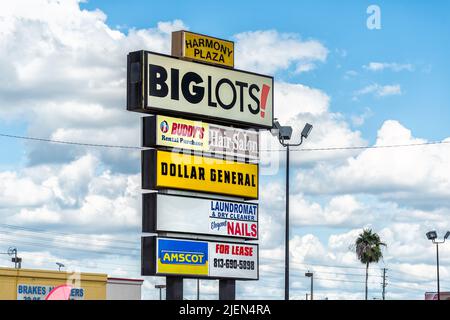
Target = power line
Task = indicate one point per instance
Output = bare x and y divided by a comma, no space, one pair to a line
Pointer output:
267,150
70,142
369,147
37,230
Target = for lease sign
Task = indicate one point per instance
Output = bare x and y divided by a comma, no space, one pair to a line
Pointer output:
202,136
208,259
168,85
170,170
215,217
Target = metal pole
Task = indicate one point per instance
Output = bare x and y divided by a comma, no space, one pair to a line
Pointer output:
198,289
227,289
160,293
312,290
286,276
437,260
174,288
384,283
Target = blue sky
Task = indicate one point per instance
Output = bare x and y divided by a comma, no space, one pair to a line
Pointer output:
63,77
412,32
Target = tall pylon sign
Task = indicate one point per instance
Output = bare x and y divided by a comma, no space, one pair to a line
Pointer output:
200,165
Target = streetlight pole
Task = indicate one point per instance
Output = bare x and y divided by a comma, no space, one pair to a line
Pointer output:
432,235
437,264
286,233
285,133
160,287
311,275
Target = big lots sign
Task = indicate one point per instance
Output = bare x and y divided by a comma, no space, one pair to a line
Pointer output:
168,85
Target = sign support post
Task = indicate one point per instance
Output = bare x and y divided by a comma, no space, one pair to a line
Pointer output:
227,289
174,289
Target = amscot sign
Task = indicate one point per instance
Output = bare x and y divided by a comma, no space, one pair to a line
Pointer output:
200,259
163,84
190,45
165,131
170,170
204,216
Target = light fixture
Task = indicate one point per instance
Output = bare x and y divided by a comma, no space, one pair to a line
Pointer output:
306,130
447,235
431,235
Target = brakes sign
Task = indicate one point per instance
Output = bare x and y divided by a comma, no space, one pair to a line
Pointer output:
190,88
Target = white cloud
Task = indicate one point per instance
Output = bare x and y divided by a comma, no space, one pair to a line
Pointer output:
380,66
65,74
379,90
270,51
409,173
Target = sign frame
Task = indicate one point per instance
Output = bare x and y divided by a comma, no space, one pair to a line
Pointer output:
150,215
137,91
149,259
149,173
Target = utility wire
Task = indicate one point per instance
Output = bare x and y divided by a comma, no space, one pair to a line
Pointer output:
69,142
82,237
268,150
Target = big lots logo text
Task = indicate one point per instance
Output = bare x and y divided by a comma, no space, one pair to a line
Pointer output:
218,91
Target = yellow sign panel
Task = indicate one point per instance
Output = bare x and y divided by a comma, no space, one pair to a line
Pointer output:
205,174
206,49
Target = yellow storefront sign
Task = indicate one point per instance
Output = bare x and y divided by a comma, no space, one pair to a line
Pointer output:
203,48
205,174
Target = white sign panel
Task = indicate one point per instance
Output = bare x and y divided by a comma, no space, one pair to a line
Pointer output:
235,260
190,88
202,216
40,292
200,136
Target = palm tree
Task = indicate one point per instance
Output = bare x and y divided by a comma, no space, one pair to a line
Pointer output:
368,249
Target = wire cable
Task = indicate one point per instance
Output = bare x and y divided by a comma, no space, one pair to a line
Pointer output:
268,150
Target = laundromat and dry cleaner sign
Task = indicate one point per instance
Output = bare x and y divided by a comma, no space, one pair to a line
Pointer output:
202,136
170,170
163,84
203,48
214,217
200,259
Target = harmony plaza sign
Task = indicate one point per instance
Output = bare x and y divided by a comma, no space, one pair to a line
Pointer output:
166,170
162,84
203,48
201,136
214,217
199,259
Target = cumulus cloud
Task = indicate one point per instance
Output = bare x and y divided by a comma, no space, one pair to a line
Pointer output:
65,71
393,66
379,90
409,173
269,51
